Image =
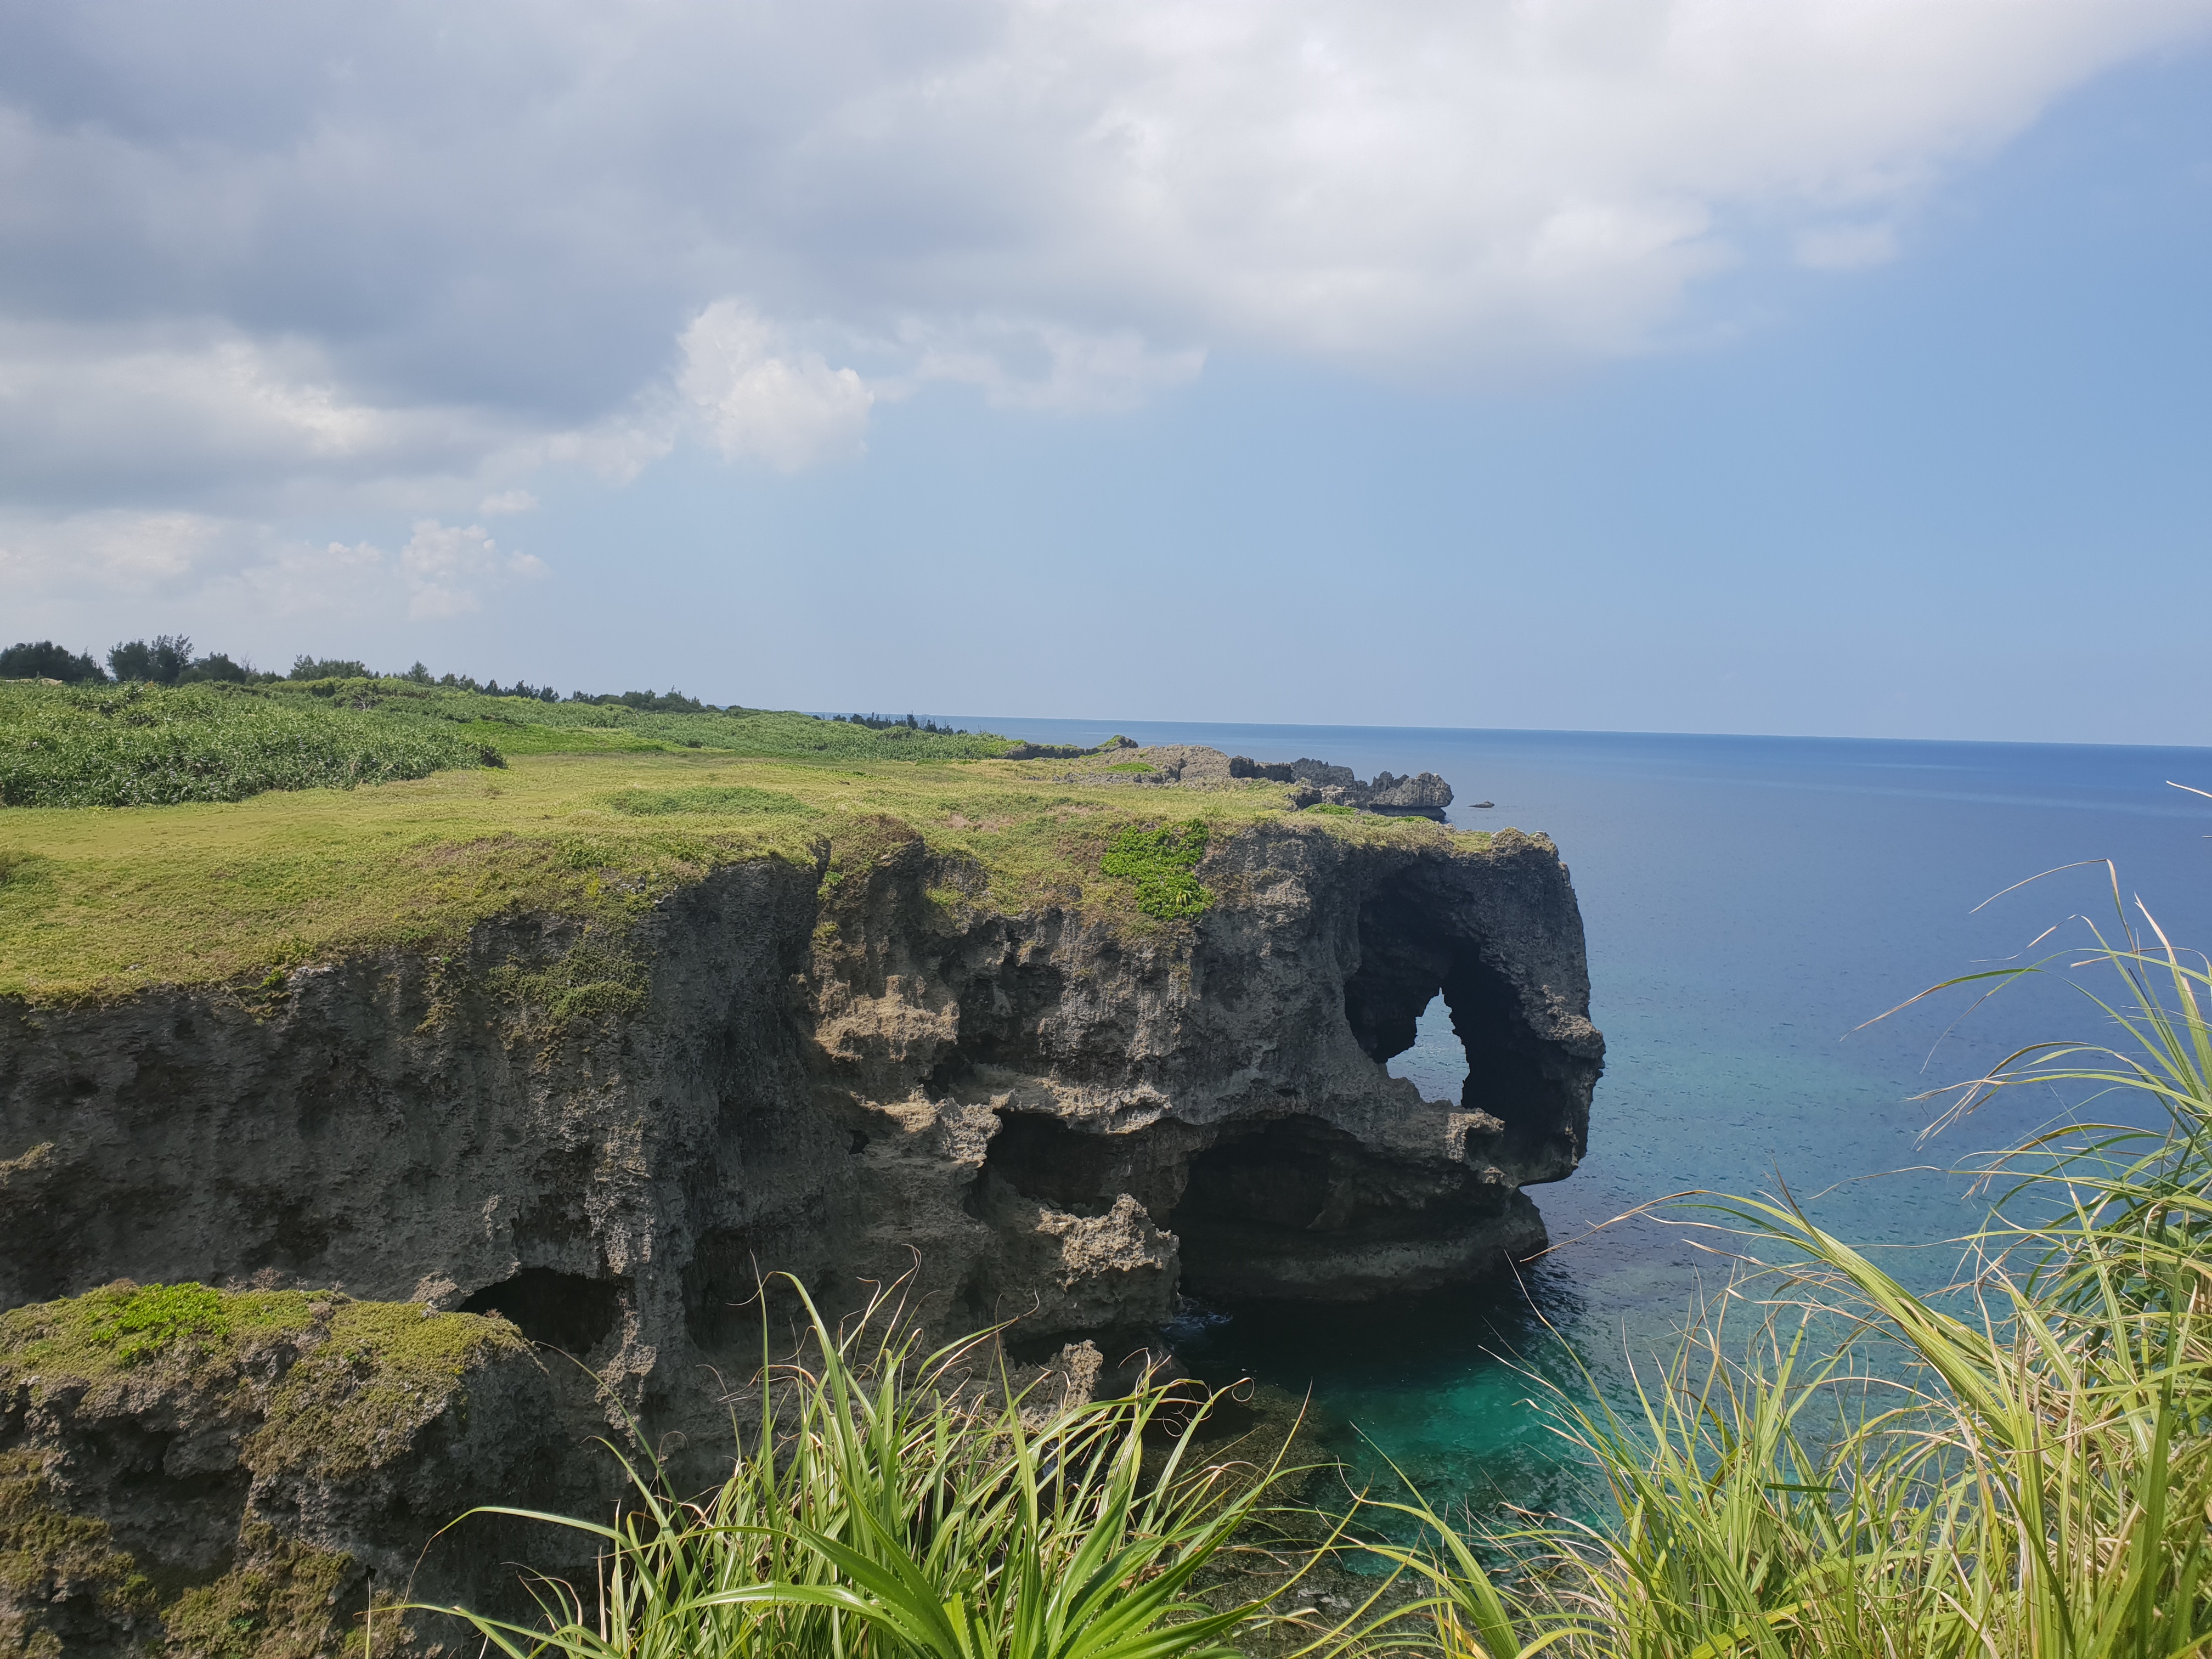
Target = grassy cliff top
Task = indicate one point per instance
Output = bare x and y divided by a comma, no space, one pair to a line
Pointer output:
98,902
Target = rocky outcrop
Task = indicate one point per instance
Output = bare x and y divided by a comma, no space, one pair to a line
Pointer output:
192,1472
1193,766
1318,782
1424,791
852,1071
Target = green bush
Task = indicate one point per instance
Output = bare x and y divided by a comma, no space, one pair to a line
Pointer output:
145,745
528,725
1160,862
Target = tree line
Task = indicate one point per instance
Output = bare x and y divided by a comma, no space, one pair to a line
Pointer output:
169,659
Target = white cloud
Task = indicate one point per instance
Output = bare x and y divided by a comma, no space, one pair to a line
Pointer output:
508,501
187,410
1045,367
446,567
753,396
164,563
117,550
252,270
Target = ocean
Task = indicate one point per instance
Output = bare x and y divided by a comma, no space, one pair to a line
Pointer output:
1750,903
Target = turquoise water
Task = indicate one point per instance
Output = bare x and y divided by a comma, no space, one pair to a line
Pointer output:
1749,903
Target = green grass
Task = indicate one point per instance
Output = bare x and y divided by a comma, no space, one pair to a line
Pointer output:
137,746
99,903
887,1503
727,800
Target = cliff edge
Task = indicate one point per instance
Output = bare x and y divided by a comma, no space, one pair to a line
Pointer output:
852,1065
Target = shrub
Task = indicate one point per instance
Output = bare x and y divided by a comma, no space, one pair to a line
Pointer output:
1160,862
142,745
215,665
328,668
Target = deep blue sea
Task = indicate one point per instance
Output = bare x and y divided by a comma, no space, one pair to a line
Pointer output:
1750,903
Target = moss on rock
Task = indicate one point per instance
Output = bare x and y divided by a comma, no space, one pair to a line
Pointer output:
59,1573
280,1602
293,1412
386,1370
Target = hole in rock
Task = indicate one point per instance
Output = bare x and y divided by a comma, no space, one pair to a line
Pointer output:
1411,960
1436,1062
562,1310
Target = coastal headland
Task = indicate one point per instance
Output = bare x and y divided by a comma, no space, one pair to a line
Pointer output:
450,1076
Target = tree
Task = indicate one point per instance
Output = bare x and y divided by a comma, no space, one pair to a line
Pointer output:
217,665
47,661
329,668
160,660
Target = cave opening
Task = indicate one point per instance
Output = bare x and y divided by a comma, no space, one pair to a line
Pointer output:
1274,1175
566,1311
1045,1160
1411,960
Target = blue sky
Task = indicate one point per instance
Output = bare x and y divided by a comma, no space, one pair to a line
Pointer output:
1903,431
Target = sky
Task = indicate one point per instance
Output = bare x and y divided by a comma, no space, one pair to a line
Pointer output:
1834,368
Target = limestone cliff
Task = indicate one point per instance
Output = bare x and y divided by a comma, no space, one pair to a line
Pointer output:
848,1073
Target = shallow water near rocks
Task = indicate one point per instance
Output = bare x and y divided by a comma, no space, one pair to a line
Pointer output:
1749,903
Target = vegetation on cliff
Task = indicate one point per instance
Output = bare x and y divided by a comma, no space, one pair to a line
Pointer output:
98,903
306,1391
150,743
886,1502
139,745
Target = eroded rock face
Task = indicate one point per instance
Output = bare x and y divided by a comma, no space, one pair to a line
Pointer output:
1036,1116
244,1490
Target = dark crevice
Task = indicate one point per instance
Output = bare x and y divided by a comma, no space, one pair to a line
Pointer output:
566,1311
1280,1206
1044,1160
1274,1175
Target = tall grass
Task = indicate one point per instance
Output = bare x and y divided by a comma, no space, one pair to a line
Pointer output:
150,745
2022,1466
891,1503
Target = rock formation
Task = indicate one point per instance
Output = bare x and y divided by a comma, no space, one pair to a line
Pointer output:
849,1074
